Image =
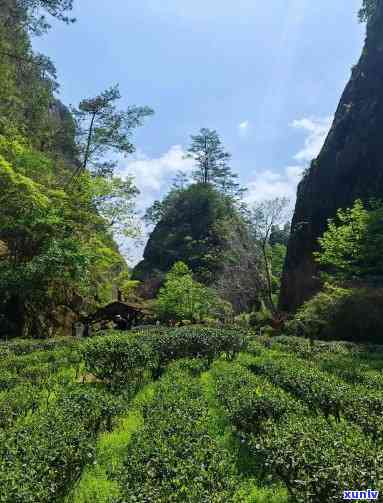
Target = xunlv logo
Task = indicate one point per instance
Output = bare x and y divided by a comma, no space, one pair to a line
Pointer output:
361,495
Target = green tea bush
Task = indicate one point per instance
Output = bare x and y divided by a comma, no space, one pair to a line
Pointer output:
17,403
119,358
318,460
43,455
173,457
8,380
250,400
197,342
26,346
324,392
36,374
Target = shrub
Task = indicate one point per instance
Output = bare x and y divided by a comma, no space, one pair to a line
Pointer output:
26,346
341,314
316,460
42,456
8,380
196,342
250,400
174,457
17,403
119,358
325,393
260,318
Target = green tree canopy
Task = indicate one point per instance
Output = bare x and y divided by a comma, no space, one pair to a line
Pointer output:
211,162
31,14
182,298
102,129
352,246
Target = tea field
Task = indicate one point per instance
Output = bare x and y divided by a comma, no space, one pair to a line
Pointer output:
191,414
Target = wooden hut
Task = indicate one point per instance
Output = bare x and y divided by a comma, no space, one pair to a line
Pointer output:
123,314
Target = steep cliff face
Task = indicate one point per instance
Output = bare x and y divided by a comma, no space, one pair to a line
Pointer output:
350,166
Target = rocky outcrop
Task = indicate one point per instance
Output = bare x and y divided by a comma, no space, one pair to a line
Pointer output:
203,229
350,166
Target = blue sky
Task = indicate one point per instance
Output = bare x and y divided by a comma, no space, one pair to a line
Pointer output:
267,75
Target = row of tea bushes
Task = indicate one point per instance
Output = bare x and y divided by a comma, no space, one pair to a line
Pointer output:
174,457
315,458
323,392
250,400
318,460
121,358
25,346
44,454
357,364
28,380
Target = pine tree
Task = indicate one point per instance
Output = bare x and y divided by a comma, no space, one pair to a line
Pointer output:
103,129
212,162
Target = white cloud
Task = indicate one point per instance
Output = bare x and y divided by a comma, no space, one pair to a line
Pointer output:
243,128
269,184
243,125
152,174
317,130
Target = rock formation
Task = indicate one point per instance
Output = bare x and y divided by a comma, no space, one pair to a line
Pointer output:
203,229
350,166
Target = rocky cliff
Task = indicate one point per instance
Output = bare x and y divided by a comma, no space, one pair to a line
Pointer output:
203,229
349,166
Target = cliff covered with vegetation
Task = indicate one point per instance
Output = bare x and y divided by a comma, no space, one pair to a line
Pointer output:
348,167
60,202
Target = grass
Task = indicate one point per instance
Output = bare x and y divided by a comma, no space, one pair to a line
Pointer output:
96,485
250,486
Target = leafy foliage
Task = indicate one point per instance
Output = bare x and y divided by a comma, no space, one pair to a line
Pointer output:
250,400
27,13
102,129
335,313
52,448
316,460
211,162
353,243
121,358
182,298
56,238
174,457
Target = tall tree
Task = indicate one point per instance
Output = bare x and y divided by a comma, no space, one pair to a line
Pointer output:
102,129
264,218
212,162
30,14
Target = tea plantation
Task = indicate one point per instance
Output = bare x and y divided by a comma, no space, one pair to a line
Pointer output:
191,414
